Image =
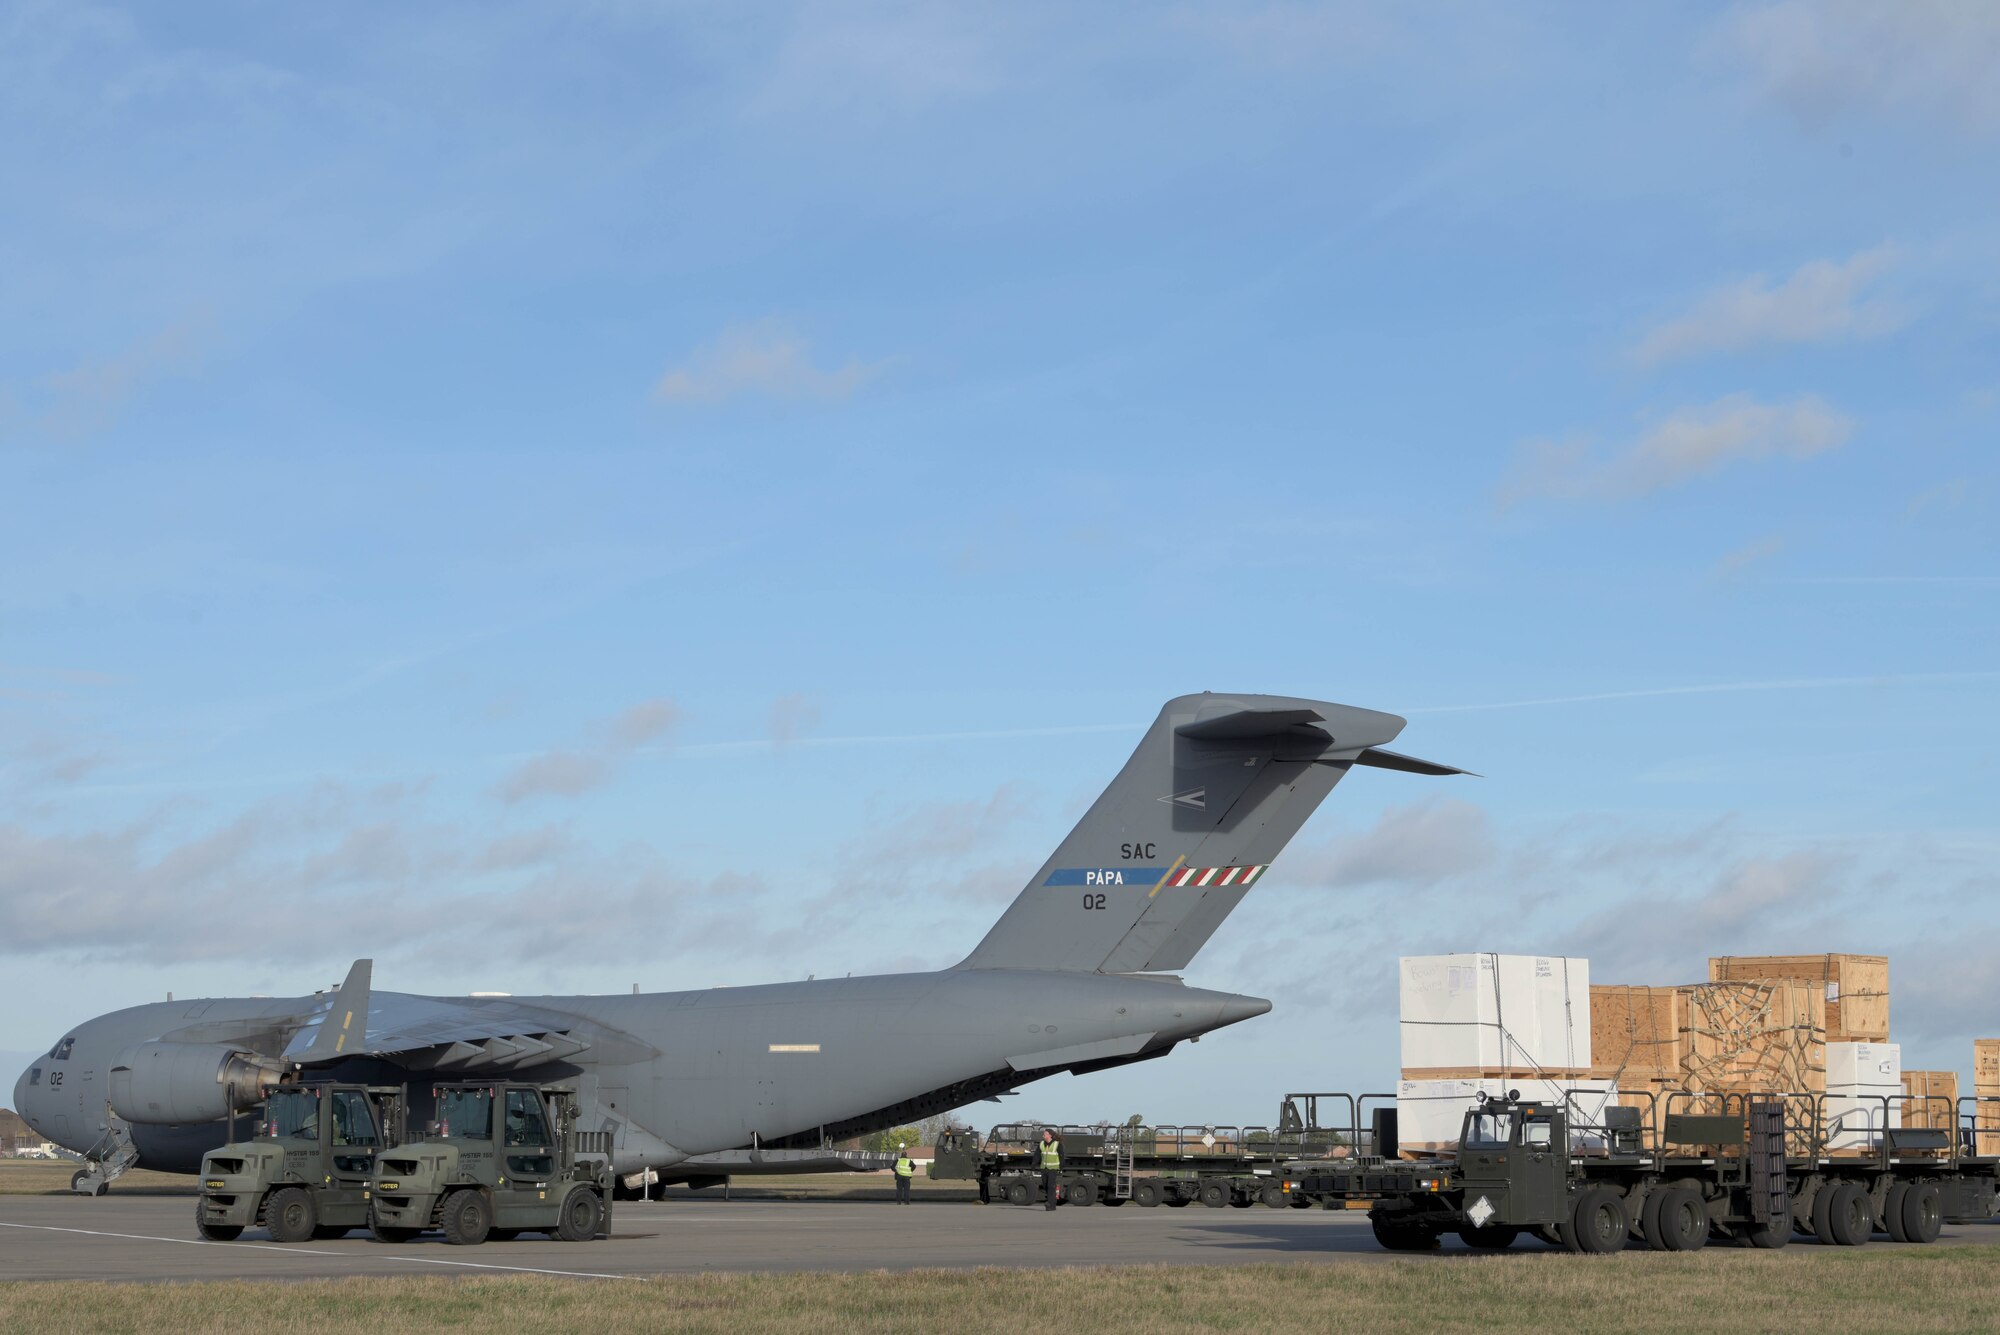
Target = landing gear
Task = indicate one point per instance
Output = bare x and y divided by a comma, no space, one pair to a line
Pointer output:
88,1182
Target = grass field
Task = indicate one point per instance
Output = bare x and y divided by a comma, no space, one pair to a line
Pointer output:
1910,1291
39,1177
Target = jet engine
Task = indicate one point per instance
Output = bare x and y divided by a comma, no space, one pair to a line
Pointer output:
179,1083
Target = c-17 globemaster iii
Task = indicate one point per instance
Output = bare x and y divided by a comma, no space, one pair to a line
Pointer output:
1077,975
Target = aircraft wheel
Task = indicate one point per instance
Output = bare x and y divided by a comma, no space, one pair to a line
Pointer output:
86,1183
1146,1193
467,1218
1491,1238
291,1215
1682,1221
1892,1212
1017,1193
1923,1212
1273,1197
1214,1195
215,1232
1598,1225
582,1214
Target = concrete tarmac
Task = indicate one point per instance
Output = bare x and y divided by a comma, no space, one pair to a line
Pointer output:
152,1238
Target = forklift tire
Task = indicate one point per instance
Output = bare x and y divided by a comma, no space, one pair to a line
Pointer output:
1214,1195
215,1232
582,1215
1402,1237
1923,1212
1017,1193
1680,1221
1492,1238
1891,1221
466,1217
291,1215
1598,1225
1273,1197
1849,1216
1146,1193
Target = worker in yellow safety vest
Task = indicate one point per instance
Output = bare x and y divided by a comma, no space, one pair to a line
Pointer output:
1051,1149
906,1168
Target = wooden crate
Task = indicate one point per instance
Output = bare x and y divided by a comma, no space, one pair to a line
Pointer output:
1933,1099
1763,1036
1986,1062
1477,1073
1635,1032
1856,988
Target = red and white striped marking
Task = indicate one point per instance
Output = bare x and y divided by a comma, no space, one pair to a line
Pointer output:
1216,876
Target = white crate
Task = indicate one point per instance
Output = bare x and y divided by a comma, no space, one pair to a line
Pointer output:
1486,1012
1431,1113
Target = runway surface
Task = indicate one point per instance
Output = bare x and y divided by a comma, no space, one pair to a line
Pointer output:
152,1238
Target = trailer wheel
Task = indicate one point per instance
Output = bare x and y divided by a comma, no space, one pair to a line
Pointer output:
1077,1191
1402,1237
1492,1238
1923,1212
1770,1237
582,1213
1598,1225
291,1215
1017,1193
1146,1193
215,1232
467,1218
1214,1195
1891,1221
1273,1197
1682,1222
1849,1216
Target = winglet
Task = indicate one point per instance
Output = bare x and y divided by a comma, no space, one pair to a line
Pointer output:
341,1026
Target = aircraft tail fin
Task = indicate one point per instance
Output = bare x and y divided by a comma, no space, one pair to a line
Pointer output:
339,1024
1218,785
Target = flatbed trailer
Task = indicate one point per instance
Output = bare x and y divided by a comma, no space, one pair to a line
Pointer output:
1102,1164
1672,1175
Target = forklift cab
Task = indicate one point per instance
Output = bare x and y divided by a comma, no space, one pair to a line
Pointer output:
1514,1157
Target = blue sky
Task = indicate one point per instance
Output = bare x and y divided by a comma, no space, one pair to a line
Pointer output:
690,494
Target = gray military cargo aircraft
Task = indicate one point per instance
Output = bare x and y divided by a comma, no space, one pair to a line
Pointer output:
1077,976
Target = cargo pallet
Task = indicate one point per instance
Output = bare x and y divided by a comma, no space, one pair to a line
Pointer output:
1755,1169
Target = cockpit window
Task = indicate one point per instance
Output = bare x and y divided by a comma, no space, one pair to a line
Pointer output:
466,1112
293,1114
1488,1131
60,1052
34,1076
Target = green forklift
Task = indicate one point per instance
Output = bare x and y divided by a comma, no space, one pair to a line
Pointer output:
499,1160
305,1173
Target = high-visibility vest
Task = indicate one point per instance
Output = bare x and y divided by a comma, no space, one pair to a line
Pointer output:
906,1167
1052,1154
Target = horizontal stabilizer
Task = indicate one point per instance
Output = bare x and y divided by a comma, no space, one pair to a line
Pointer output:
1381,759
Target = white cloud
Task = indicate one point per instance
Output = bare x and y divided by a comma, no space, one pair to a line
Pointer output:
1820,303
569,771
761,358
90,397
1823,58
792,717
1415,846
1735,563
1691,443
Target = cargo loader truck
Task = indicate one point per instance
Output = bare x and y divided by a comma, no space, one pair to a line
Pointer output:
1674,1175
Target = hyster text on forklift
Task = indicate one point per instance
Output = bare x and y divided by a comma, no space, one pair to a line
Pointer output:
499,1160
305,1172
1751,1169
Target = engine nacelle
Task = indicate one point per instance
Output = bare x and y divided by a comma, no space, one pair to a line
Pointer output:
178,1083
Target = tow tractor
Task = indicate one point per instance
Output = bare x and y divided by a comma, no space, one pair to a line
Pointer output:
500,1160
1673,1175
304,1174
